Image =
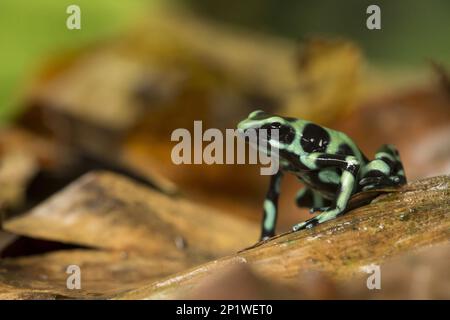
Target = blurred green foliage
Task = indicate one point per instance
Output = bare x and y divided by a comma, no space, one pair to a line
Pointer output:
33,30
412,30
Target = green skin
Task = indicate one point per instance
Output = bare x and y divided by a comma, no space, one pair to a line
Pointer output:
328,163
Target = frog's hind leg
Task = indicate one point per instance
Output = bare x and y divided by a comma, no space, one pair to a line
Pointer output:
384,171
394,161
307,198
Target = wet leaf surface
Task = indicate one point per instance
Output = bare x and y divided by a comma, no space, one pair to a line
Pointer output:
103,274
143,235
105,210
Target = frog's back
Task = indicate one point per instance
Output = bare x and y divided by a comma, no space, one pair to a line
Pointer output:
315,138
341,143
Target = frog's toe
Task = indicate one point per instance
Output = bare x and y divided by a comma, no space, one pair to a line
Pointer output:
378,186
369,187
318,209
299,226
397,180
368,181
305,224
380,183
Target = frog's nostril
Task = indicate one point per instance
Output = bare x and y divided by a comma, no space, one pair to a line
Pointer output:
242,125
246,124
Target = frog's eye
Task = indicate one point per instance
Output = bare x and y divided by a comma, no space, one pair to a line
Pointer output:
275,125
286,134
271,126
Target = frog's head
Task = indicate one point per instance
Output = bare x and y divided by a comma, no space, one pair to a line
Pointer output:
259,119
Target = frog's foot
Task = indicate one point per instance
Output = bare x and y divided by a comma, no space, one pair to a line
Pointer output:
324,216
267,234
386,170
305,225
318,209
370,183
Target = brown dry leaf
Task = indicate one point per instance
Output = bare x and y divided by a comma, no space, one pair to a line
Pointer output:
22,155
105,210
16,139
103,274
238,282
329,72
147,235
16,169
415,217
6,239
424,274
419,275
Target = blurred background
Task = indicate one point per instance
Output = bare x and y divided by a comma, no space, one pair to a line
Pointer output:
113,91
412,30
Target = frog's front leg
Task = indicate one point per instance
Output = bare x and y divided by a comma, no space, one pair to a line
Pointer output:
271,206
307,198
349,166
385,170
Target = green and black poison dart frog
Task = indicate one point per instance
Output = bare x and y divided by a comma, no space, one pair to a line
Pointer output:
328,163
